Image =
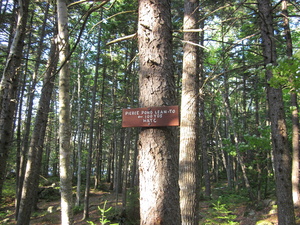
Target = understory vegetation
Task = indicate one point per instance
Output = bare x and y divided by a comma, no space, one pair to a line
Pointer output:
224,207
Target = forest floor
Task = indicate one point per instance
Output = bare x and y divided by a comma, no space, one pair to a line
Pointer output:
224,208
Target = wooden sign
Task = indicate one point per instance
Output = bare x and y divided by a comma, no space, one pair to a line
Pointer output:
151,117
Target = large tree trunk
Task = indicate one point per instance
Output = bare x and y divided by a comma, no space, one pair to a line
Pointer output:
64,115
281,151
158,162
188,157
8,87
31,179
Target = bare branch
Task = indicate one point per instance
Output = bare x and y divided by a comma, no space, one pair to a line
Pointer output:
122,39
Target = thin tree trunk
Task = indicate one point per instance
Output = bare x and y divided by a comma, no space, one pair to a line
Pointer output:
64,115
79,135
281,152
25,145
295,112
99,155
120,153
91,135
114,155
235,142
8,87
134,179
204,128
31,179
21,155
126,168
158,162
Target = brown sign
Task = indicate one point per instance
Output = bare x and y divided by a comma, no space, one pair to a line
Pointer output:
151,117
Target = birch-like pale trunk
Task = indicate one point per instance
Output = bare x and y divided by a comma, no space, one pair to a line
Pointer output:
64,115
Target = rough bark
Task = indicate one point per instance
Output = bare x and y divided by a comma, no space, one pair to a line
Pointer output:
281,152
31,179
295,144
295,111
64,115
158,162
188,157
8,87
25,145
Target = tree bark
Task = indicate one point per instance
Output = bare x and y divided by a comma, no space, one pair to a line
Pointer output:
188,157
64,115
295,111
31,179
281,152
91,133
79,135
158,162
8,87
99,153
25,145
203,123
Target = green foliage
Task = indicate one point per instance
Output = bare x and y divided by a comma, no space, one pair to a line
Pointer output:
261,142
77,209
229,147
9,188
222,209
286,73
132,206
220,214
103,218
4,214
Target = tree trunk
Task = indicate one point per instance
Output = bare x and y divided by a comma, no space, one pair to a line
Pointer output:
25,145
31,179
134,179
79,135
64,115
91,134
158,162
99,153
281,152
188,157
8,87
295,143
204,129
120,157
235,139
126,168
295,112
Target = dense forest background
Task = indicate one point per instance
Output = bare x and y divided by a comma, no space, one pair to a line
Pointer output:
234,120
